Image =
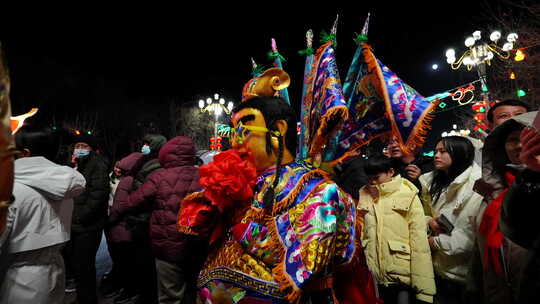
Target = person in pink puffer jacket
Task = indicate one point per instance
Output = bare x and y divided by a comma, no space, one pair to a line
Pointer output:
163,191
119,236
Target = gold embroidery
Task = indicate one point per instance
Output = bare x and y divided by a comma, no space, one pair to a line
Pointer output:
223,273
315,254
232,255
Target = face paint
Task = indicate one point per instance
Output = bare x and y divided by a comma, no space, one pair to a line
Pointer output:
249,135
240,133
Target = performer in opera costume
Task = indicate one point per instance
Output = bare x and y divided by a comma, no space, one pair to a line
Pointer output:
278,228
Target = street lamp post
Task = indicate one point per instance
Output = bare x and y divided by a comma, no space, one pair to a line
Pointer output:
215,106
479,55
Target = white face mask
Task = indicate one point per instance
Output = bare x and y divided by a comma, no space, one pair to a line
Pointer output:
81,152
145,150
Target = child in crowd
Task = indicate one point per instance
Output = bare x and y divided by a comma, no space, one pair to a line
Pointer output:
394,235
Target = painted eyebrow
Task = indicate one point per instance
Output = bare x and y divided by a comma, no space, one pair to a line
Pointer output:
247,118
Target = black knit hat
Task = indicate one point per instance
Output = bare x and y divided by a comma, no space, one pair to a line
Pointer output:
85,138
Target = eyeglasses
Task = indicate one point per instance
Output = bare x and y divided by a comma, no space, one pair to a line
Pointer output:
241,132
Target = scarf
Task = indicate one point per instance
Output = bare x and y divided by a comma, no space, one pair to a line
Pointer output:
489,228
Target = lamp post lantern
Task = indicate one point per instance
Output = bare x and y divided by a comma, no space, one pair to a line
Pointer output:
478,55
215,106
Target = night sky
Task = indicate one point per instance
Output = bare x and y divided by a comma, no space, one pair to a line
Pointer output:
66,60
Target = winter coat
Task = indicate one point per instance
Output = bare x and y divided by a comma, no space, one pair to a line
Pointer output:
42,212
38,224
490,285
155,142
394,237
163,191
460,204
519,218
90,210
118,231
150,162
519,222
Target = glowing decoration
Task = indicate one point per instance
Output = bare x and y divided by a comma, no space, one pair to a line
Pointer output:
481,52
479,117
495,36
216,107
512,37
469,42
520,55
429,154
77,132
461,94
512,75
18,121
480,108
215,144
442,105
435,67
520,93
89,132
223,130
507,46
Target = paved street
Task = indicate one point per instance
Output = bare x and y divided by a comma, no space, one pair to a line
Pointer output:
103,264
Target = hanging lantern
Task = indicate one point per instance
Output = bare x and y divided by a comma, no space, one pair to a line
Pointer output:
512,75
479,117
520,55
477,106
520,93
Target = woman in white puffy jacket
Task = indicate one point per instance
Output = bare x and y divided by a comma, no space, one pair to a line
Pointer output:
451,207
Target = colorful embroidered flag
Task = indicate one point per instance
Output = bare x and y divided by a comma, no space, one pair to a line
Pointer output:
380,104
323,100
278,59
302,152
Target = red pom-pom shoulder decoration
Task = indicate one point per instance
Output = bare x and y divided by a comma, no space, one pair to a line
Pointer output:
228,180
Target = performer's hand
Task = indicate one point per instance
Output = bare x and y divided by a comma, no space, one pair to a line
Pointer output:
530,149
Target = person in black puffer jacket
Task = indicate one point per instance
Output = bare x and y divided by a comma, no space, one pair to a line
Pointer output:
89,218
